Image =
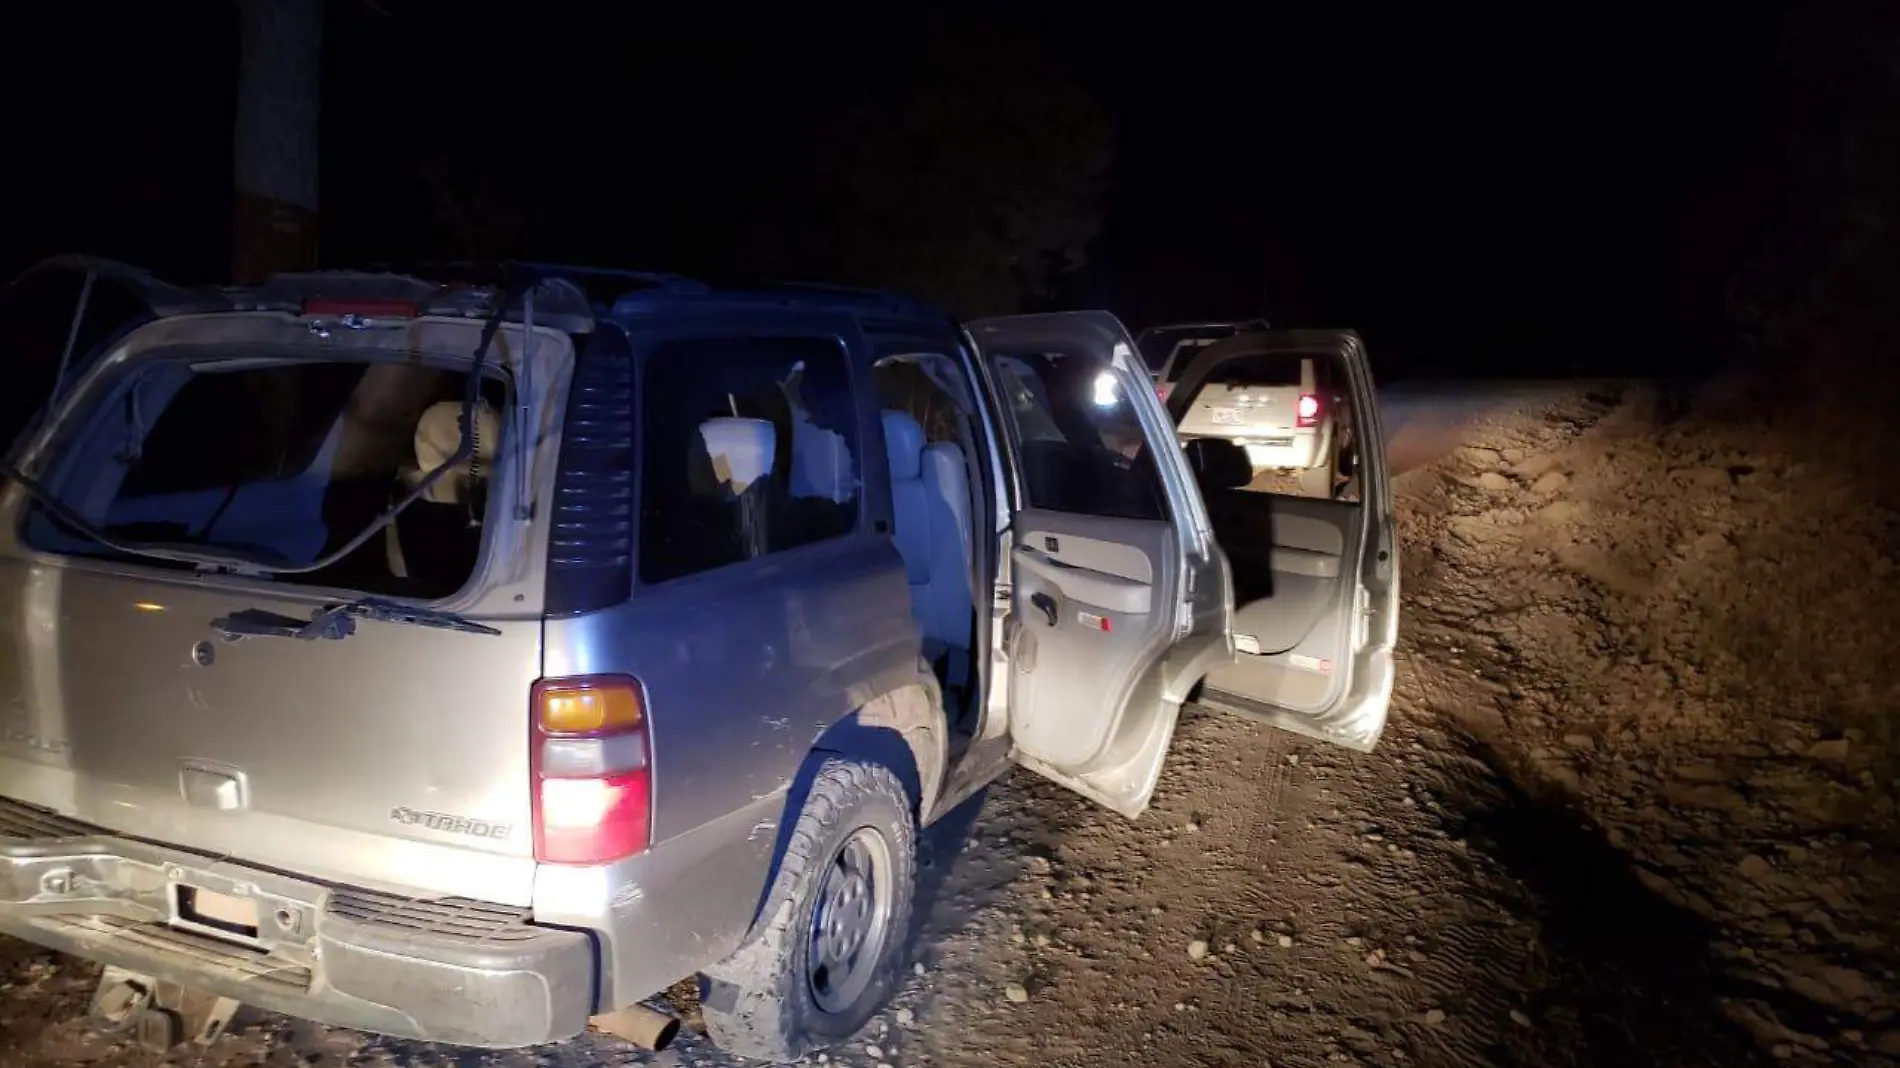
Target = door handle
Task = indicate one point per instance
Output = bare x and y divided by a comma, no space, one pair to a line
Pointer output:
1048,606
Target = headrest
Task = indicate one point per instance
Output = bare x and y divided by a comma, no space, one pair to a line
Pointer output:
904,444
439,434
1218,463
742,450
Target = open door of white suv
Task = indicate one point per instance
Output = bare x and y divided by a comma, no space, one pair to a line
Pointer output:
1316,577
1116,588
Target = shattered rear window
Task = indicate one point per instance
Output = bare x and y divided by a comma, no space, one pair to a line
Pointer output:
281,461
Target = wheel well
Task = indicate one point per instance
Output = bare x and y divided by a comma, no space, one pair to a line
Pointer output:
903,730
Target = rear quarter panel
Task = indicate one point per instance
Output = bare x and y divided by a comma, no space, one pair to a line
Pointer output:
744,669
746,666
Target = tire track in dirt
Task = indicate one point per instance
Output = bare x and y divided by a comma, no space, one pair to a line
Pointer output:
1578,1006
1345,922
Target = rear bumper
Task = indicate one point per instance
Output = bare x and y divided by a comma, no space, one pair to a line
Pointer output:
459,972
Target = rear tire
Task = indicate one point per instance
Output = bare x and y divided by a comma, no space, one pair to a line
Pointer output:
828,946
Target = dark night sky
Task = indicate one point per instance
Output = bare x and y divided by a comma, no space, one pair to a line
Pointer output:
1517,189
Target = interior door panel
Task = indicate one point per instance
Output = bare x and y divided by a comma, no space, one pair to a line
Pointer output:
1105,630
1315,580
1292,611
1286,553
1114,582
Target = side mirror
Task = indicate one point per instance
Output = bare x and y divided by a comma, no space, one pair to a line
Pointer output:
1219,463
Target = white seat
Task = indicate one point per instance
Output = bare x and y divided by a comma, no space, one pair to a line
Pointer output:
931,498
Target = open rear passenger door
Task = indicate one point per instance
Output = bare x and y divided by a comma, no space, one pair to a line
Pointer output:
1316,586
1117,593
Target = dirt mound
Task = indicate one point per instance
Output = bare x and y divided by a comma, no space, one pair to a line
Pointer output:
1676,626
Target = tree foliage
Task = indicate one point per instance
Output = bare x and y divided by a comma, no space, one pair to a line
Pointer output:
471,221
1824,273
1817,300
977,184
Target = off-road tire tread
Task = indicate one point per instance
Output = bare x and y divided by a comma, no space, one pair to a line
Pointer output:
754,1002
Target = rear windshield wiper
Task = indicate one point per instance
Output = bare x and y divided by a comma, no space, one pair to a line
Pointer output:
338,621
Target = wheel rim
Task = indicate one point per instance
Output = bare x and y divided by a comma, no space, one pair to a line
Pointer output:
851,921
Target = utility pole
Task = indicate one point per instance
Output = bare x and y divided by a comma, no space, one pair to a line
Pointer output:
280,76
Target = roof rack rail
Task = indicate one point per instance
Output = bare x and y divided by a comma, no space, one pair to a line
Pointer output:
577,270
823,287
890,299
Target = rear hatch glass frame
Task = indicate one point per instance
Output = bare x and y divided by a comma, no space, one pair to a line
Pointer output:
79,440
504,581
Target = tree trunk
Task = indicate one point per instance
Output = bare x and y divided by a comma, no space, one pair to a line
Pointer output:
279,84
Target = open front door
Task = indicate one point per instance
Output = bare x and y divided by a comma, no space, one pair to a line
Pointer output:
1114,584
1311,539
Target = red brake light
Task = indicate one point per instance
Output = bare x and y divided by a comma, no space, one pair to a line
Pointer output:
593,786
592,821
1307,414
368,307
1161,390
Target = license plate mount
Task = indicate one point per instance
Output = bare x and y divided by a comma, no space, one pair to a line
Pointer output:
212,912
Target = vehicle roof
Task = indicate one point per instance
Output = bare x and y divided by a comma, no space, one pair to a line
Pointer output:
841,300
570,297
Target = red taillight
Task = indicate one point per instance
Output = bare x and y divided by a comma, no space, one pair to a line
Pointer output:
367,307
592,821
1307,414
593,788
1161,391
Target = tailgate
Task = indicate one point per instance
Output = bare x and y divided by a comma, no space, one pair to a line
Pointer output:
394,758
389,754
1253,396
1228,408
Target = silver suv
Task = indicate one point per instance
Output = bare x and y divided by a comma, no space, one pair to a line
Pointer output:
471,661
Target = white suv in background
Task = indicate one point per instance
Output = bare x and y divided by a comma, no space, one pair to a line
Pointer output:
1276,405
